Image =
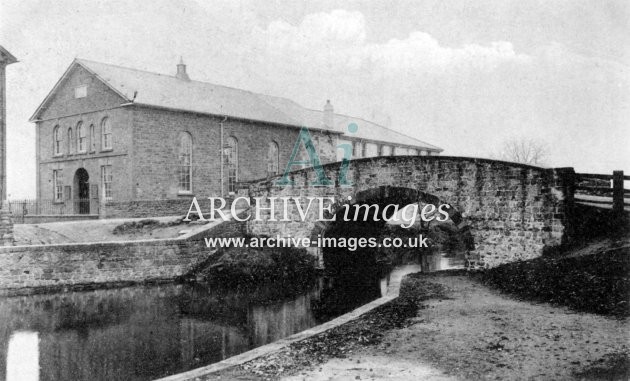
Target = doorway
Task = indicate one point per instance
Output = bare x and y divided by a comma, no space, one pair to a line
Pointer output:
82,196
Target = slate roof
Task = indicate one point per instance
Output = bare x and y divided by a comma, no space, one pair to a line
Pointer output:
166,91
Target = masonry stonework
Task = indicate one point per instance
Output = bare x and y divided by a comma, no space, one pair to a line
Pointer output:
156,133
151,113
144,157
68,265
514,212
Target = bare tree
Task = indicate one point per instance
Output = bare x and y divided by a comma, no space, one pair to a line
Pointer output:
524,150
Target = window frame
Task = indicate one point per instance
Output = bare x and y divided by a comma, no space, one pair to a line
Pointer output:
70,143
183,165
57,180
357,149
273,158
106,135
107,179
57,141
92,137
81,138
232,164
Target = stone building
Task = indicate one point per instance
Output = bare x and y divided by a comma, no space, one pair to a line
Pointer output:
6,225
118,141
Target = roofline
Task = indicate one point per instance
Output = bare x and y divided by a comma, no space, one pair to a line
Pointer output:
128,102
74,62
385,142
11,58
436,148
146,105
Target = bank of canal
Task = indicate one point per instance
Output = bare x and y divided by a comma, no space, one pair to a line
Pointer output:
146,332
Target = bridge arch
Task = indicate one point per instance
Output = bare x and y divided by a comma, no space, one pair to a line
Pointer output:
513,211
382,196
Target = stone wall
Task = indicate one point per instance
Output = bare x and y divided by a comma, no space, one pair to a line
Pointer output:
144,157
66,111
156,136
66,265
514,212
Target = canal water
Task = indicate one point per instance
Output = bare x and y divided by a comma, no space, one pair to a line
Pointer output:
147,332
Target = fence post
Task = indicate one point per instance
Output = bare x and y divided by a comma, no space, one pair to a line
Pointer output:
618,195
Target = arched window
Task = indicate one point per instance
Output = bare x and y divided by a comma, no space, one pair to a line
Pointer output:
185,162
56,141
92,138
273,159
231,161
70,141
106,134
81,138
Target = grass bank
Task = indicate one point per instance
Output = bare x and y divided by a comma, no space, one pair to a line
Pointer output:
244,266
597,283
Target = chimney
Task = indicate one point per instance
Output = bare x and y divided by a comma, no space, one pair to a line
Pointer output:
181,70
328,115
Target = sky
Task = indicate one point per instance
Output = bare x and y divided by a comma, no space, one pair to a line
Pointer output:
463,75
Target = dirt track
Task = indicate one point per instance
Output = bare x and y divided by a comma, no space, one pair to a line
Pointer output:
477,333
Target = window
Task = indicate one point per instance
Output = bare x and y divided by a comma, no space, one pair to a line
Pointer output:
185,163
57,185
106,182
273,159
80,91
423,153
357,151
70,141
400,151
371,149
56,141
106,131
232,163
318,145
81,137
92,138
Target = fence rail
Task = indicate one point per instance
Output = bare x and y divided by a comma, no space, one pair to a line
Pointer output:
34,207
603,189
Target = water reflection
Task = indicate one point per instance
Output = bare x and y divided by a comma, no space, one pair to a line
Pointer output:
143,332
23,356
442,261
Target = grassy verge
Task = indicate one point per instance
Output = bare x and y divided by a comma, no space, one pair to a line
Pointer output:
244,266
597,283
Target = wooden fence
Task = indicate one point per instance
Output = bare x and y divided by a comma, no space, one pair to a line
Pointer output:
602,190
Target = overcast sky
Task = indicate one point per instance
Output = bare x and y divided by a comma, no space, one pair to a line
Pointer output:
463,75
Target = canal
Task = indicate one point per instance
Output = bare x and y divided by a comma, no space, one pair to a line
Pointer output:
146,332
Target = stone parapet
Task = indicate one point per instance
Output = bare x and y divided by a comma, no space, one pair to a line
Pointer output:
513,211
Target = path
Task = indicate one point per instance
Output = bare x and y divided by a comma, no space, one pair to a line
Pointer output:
98,231
481,334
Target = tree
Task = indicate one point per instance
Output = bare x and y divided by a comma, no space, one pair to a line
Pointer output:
525,151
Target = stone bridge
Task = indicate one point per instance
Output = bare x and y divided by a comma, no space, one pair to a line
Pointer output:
512,211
